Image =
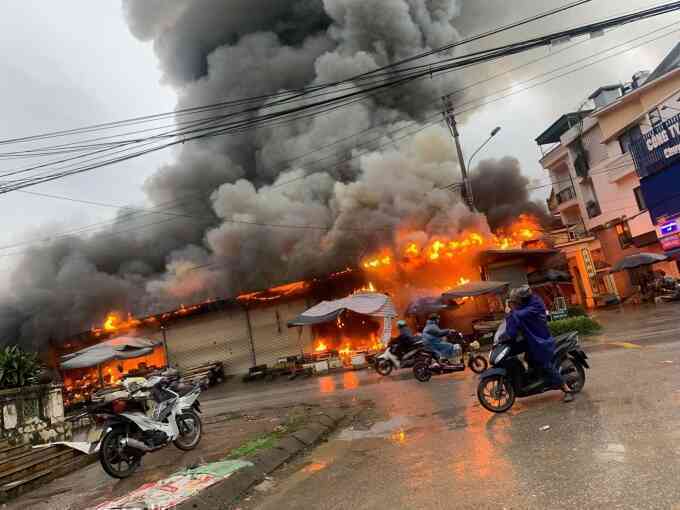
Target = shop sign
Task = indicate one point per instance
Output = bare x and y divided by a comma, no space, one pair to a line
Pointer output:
669,227
659,148
671,242
588,262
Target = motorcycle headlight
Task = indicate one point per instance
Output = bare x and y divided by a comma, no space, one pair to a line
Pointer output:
500,354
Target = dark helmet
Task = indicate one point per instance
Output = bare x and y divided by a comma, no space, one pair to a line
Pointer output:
434,317
401,324
520,295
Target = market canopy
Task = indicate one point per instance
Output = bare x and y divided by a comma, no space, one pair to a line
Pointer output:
374,304
638,260
548,276
474,289
124,347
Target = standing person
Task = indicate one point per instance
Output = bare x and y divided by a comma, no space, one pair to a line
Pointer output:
529,317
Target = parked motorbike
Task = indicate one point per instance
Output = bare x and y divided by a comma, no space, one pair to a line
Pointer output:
392,359
429,363
145,415
510,378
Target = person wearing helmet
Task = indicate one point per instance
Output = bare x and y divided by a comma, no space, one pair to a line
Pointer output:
432,334
529,316
403,342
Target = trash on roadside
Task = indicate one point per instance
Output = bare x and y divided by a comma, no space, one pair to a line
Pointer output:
667,361
544,428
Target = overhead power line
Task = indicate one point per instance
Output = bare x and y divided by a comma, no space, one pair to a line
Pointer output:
245,120
132,211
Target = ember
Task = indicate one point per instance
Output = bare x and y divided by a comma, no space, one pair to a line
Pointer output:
278,292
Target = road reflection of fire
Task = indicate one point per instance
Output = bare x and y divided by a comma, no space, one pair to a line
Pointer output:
483,458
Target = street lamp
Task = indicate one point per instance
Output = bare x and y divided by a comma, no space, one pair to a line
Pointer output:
495,131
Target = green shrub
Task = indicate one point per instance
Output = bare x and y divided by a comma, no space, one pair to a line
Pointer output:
18,368
577,311
584,326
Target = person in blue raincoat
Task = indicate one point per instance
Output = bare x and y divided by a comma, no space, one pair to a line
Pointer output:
433,335
529,317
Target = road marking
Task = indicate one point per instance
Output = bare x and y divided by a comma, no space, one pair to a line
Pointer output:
626,345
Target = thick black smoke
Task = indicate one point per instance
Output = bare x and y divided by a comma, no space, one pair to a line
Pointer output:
501,192
216,50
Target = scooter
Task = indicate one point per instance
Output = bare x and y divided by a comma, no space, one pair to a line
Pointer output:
390,359
429,362
510,378
143,416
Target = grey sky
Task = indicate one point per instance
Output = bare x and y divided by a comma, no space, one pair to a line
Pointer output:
71,63
68,64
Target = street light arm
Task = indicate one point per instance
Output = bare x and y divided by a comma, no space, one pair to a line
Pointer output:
493,133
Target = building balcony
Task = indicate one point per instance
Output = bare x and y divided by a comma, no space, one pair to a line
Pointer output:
563,200
570,235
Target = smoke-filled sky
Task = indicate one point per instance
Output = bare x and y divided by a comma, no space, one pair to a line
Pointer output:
83,62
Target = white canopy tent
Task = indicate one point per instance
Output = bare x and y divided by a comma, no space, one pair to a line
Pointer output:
124,347
368,303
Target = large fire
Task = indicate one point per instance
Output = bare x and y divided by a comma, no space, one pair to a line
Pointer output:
440,249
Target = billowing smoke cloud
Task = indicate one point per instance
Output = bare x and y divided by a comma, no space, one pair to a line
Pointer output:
501,192
225,196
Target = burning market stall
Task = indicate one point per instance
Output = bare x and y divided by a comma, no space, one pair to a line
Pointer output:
349,328
106,363
480,307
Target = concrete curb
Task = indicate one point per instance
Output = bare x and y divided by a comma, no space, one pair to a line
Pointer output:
226,492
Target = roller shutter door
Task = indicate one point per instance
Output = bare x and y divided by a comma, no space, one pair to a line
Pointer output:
272,338
218,336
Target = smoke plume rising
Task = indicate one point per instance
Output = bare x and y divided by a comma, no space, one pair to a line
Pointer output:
214,50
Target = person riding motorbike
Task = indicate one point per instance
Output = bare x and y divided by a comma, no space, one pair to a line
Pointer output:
432,334
404,341
528,316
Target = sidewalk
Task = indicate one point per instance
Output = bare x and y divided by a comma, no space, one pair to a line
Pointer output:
239,435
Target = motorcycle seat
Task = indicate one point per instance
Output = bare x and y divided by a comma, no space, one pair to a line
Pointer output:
182,388
565,337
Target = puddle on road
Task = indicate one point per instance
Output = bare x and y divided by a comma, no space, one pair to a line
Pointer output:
391,429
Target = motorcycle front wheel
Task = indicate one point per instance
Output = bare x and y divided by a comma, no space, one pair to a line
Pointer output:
384,367
422,372
190,430
115,459
496,394
478,364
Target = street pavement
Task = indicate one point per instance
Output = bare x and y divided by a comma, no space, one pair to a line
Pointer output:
431,446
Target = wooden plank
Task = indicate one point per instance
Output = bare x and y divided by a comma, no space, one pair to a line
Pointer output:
26,470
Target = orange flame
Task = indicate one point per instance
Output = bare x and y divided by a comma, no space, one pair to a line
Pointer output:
525,228
321,347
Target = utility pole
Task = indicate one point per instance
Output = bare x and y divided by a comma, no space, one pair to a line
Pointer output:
453,127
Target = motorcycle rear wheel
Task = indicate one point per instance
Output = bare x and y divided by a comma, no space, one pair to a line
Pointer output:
574,374
422,372
478,364
115,459
189,440
496,394
384,367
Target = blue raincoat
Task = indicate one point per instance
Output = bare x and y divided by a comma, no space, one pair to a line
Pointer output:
532,321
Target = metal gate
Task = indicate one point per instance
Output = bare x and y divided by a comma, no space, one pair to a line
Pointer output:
272,338
218,336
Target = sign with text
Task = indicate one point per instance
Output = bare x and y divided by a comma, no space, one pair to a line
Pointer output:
588,262
659,148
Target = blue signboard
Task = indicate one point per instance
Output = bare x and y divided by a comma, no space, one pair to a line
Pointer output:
658,149
662,196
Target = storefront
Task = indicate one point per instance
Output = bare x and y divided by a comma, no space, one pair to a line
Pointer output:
657,159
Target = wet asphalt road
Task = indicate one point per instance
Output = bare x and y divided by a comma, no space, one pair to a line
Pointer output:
431,446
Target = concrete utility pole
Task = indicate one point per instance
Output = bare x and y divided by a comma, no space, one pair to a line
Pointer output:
453,127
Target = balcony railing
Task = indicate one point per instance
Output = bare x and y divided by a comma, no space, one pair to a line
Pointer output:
566,195
569,234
